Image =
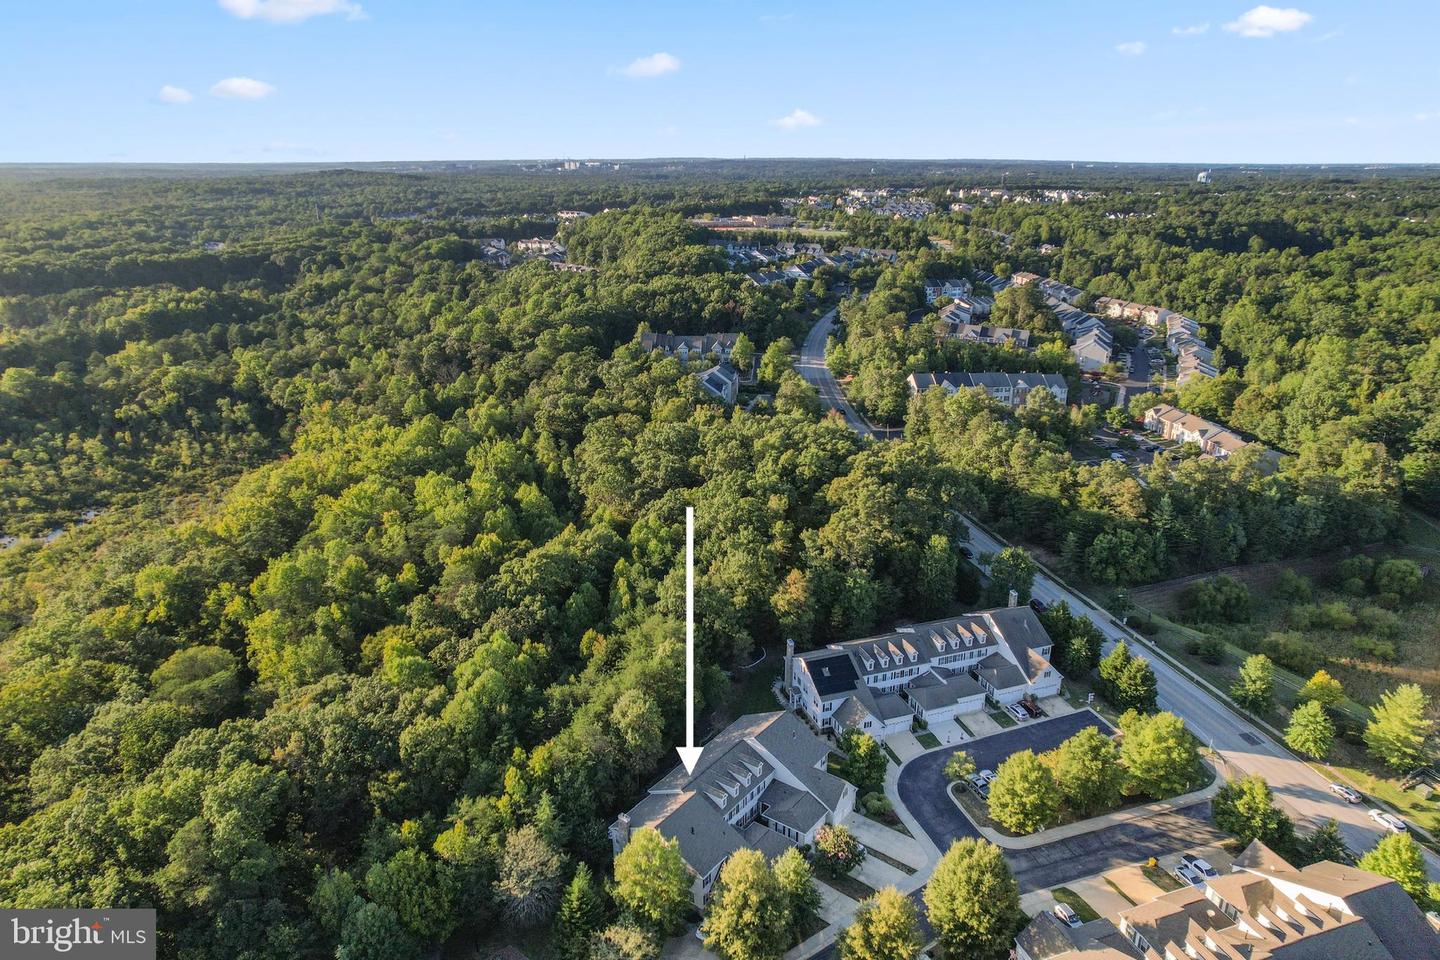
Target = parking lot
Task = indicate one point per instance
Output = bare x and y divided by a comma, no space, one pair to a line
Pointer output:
923,787
923,790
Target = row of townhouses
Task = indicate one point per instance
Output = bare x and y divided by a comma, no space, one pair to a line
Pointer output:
1009,389
761,783
1175,424
930,671
721,380
1264,909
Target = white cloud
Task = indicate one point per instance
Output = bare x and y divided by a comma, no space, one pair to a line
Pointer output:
1191,31
655,65
291,11
169,94
1263,21
1427,116
241,88
796,119
1131,49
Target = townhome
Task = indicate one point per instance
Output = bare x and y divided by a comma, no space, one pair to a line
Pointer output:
687,347
1264,909
1178,329
995,336
1093,349
765,278
966,309
1009,389
1024,279
1060,291
539,247
1190,366
935,289
760,783
721,381
1175,424
930,671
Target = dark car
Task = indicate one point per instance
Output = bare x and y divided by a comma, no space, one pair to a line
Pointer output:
1032,708
967,553
1037,605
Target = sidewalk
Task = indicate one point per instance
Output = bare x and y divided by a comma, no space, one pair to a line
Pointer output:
1081,827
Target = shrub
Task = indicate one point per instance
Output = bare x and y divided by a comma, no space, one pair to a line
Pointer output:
1294,588
1355,568
876,804
1353,586
1337,616
1372,647
1379,621
1398,576
1220,599
1291,651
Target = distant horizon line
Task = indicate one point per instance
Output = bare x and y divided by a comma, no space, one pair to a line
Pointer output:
1197,164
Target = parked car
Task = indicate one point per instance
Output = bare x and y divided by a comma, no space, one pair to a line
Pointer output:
967,553
1017,711
975,782
1067,916
1037,605
1348,794
1388,821
1117,455
1189,877
1033,709
1199,865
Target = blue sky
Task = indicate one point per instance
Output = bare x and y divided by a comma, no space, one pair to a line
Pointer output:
337,80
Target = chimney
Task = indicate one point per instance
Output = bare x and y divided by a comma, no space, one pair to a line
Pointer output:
1014,599
789,665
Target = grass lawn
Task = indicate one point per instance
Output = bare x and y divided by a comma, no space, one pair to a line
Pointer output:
750,692
1002,718
927,739
1075,902
851,887
1161,878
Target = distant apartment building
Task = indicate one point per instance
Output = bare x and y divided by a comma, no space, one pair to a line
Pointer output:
952,288
1060,291
539,247
1093,349
1175,424
1010,389
966,309
687,347
930,671
993,336
761,783
1264,909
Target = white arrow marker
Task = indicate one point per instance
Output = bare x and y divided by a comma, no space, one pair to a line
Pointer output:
689,754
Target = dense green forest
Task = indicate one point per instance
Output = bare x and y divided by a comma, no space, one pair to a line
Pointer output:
386,584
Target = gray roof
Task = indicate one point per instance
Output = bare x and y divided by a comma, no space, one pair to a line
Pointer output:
999,672
694,808
796,809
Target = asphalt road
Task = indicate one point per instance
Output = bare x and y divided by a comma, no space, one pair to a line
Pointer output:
1242,747
812,368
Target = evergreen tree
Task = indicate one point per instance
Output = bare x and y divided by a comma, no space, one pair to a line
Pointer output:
1136,688
973,902
797,883
1325,844
886,927
1399,728
935,583
581,912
